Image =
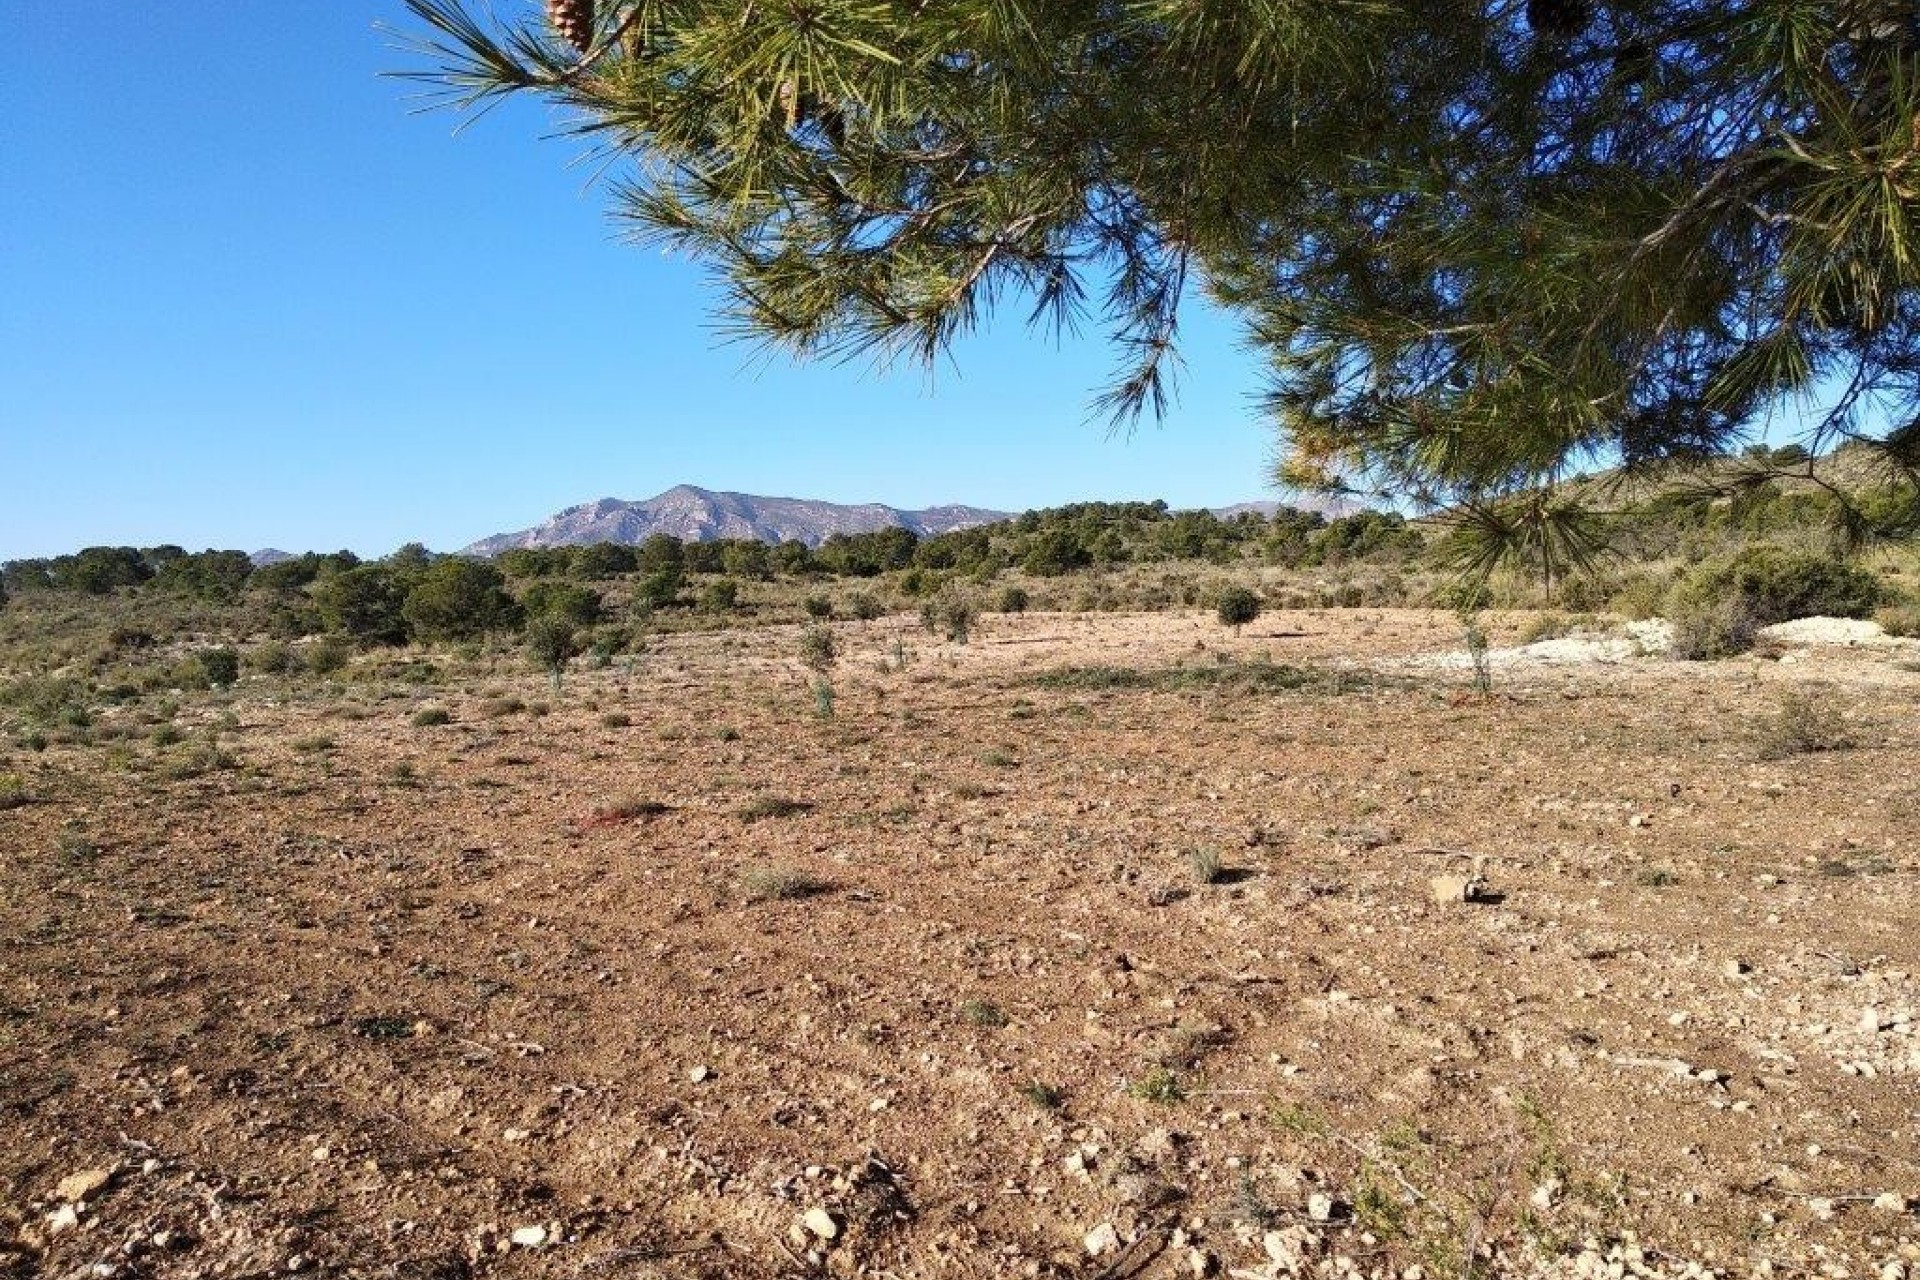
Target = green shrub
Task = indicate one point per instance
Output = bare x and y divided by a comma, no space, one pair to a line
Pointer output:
1807,720
1707,629
721,596
275,657
1236,607
865,606
427,717
1900,619
950,612
1716,609
817,648
817,607
328,654
1014,600
220,666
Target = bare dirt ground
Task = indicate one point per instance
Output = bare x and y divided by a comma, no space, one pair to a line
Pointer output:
407,1000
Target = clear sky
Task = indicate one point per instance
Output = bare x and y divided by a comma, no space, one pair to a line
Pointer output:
248,298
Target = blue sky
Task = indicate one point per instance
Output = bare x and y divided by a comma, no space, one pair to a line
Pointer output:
248,299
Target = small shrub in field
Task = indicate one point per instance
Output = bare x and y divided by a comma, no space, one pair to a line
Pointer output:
823,697
1047,1097
1207,864
13,791
722,596
950,612
1706,629
762,807
1899,619
165,735
782,883
1808,720
982,1013
1544,626
1159,1086
818,607
817,648
1014,600
219,666
494,708
314,744
327,655
616,720
427,717
626,809
275,657
865,606
1236,607
999,759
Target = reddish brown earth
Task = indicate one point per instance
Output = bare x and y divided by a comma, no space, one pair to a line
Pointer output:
313,1015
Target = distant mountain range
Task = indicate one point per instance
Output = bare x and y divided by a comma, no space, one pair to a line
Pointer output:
699,515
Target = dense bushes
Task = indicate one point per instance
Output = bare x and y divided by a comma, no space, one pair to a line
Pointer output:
1716,609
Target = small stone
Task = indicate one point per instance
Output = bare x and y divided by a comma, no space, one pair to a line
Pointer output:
1871,1021
1735,968
321,1154
515,1135
64,1218
1893,1269
529,1237
820,1223
1448,889
700,1075
1199,1263
1320,1207
1821,1208
1103,1239
299,1262
1890,1202
78,1186
1545,1194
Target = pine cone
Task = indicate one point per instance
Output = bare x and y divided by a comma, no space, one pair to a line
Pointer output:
572,21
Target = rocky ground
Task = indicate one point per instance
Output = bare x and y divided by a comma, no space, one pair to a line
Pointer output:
1103,946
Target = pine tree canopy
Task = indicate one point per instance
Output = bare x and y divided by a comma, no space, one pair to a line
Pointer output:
1478,241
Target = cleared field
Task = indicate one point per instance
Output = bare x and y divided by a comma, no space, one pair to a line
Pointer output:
1105,945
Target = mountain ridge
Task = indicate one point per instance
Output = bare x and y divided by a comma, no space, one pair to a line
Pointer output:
694,514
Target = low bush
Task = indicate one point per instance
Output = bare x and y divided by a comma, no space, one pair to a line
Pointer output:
1719,606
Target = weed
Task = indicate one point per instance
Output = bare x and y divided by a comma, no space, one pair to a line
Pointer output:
165,735
1658,878
627,809
785,884
1206,863
982,1013
823,697
1159,1086
761,807
401,773
494,708
314,743
998,759
616,720
383,1028
75,849
1807,721
428,717
1047,1097
1303,1120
